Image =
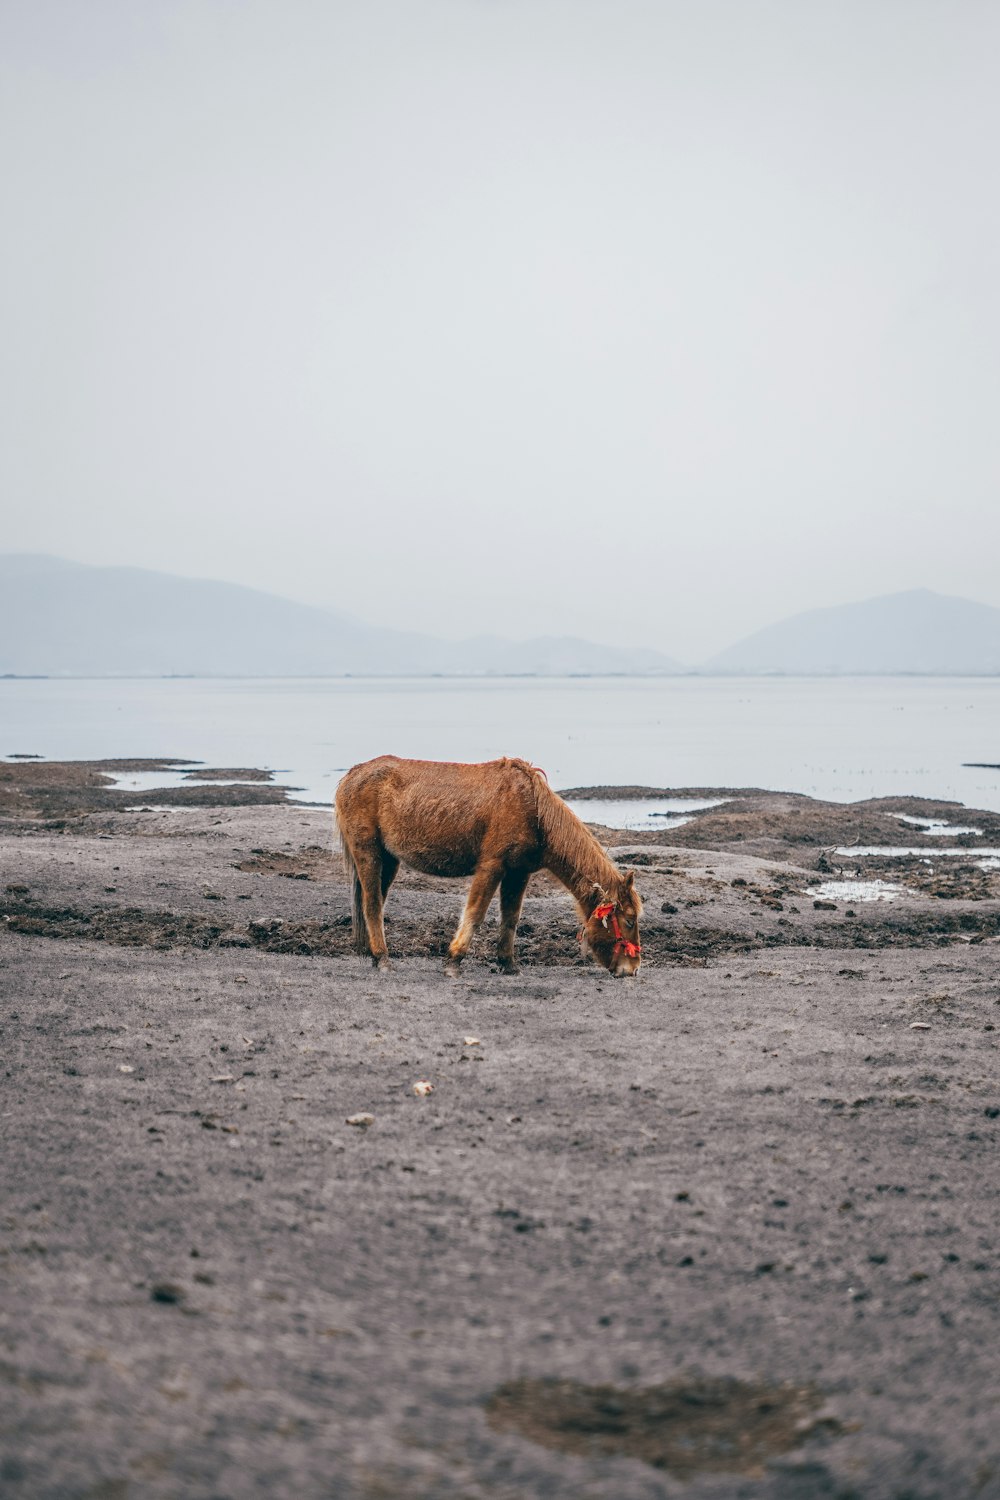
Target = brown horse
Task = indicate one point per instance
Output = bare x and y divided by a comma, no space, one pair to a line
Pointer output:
497,822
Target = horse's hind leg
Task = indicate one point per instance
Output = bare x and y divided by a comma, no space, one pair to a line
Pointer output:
512,889
481,893
371,864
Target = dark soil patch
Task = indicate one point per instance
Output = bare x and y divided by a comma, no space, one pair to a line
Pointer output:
686,1427
229,773
126,927
429,936
311,863
951,880
197,796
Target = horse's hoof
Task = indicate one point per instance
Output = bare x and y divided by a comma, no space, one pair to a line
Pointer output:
508,968
380,961
453,968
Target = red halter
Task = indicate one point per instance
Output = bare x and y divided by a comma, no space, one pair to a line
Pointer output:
603,912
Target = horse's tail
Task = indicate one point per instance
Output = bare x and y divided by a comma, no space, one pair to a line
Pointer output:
359,928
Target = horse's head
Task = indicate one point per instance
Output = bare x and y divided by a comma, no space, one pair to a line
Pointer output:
611,930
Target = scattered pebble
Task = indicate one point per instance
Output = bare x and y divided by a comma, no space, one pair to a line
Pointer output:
167,1293
422,1087
363,1120
223,1078
471,1041
920,1025
125,1068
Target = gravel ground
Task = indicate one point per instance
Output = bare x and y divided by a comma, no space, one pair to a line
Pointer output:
727,1230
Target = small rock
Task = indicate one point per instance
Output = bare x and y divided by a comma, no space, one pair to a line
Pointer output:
920,1025
825,905
125,1068
471,1041
421,1088
167,1293
363,1120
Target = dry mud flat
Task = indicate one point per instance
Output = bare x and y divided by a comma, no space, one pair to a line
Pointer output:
726,1230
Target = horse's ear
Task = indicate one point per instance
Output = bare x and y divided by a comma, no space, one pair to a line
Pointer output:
629,880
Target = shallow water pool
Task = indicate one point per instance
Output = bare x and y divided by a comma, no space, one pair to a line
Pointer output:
856,890
659,812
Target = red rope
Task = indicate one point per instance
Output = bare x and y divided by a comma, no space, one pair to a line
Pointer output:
602,913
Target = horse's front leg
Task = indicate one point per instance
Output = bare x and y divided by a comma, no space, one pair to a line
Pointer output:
512,889
481,893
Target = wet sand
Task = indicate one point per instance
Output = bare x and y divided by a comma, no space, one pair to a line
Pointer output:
725,1230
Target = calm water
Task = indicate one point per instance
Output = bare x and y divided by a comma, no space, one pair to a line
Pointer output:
840,738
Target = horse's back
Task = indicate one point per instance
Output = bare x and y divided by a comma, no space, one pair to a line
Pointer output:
440,815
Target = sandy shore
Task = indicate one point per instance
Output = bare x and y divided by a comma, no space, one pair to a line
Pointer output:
725,1230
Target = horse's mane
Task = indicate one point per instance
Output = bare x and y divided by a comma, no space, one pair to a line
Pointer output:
568,838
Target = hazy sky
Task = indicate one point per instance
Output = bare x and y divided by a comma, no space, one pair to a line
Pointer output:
651,319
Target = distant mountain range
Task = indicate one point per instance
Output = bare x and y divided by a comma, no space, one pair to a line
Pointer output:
913,632
67,619
64,619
